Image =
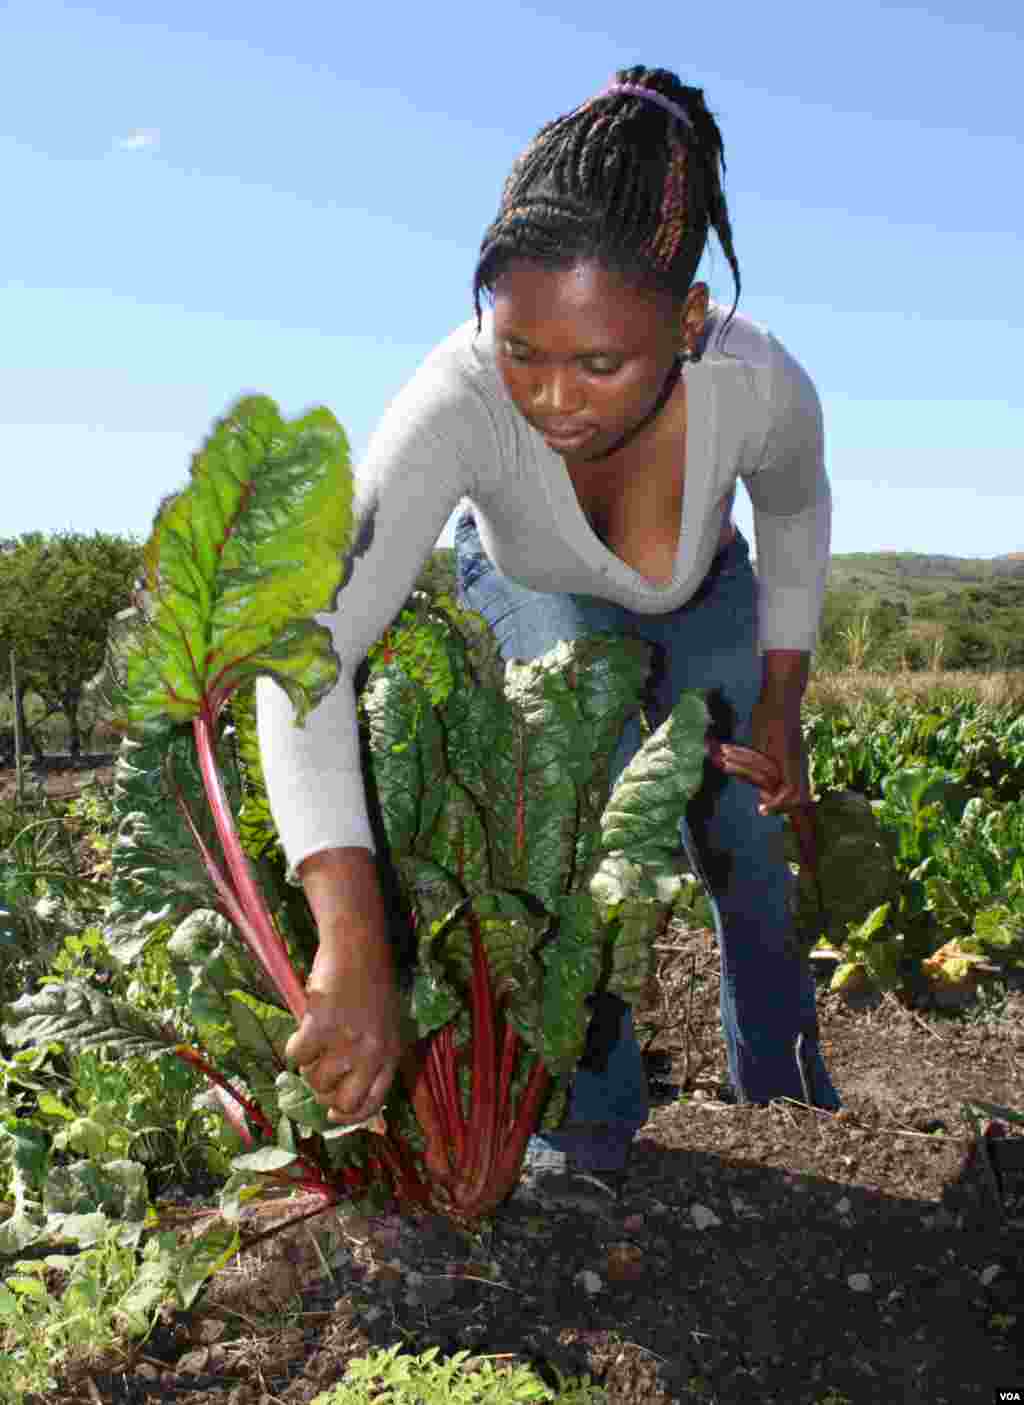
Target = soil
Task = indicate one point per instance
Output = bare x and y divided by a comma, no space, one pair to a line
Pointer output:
58,776
779,1254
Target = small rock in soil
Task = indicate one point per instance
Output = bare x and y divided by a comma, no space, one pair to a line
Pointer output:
209,1330
704,1218
435,1291
625,1263
194,1363
859,1282
386,1279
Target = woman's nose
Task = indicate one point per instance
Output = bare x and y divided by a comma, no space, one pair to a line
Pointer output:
558,393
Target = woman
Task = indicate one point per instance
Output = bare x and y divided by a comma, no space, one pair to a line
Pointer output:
596,420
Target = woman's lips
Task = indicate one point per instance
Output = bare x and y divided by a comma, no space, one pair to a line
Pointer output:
565,437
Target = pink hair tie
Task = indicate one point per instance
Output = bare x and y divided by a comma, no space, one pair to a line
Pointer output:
634,90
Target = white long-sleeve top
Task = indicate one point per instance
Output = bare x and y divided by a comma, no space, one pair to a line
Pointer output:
453,432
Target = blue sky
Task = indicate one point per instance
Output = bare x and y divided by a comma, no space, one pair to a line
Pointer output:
204,199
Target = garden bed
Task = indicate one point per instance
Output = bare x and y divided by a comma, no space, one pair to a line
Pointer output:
771,1254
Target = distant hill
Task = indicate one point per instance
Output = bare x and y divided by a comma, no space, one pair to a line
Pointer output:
906,608
883,570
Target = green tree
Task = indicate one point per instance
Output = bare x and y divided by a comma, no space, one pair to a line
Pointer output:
58,595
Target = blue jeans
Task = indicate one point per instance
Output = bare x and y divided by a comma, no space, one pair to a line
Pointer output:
767,993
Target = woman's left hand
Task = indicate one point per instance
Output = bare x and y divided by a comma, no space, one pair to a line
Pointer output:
776,731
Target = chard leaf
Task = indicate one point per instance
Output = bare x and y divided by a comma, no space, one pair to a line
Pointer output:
476,725
256,827
116,1188
236,565
49,1106
29,1151
258,833
510,930
849,976
150,1286
430,890
914,788
85,1230
204,945
260,1030
74,1014
572,965
640,922
204,1257
268,1158
24,1225
425,644
459,841
158,874
651,795
296,1100
532,803
619,880
999,932
434,1002
236,1192
84,1135
408,757
215,977
856,873
607,675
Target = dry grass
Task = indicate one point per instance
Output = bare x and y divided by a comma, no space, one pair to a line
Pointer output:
845,689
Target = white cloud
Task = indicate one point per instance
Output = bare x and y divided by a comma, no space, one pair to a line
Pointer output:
139,139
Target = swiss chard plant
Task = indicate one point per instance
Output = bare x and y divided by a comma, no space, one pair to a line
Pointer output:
531,883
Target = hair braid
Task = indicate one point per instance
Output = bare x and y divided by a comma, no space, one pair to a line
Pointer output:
621,181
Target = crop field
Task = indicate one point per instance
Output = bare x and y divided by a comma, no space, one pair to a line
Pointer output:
806,1256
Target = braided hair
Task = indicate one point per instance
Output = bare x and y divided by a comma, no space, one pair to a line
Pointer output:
622,182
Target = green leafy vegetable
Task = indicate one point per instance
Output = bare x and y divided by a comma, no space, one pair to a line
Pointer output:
237,565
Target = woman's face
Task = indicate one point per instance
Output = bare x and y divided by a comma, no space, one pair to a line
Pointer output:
584,353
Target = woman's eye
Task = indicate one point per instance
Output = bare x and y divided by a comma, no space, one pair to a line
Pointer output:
602,365
514,352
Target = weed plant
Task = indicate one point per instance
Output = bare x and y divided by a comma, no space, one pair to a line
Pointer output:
393,1377
65,1307
60,1313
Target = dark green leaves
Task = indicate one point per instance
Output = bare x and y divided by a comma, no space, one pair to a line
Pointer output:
856,873
237,564
642,816
81,1018
408,767
572,964
492,800
159,874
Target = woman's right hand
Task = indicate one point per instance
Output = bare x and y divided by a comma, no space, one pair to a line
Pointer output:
349,1042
